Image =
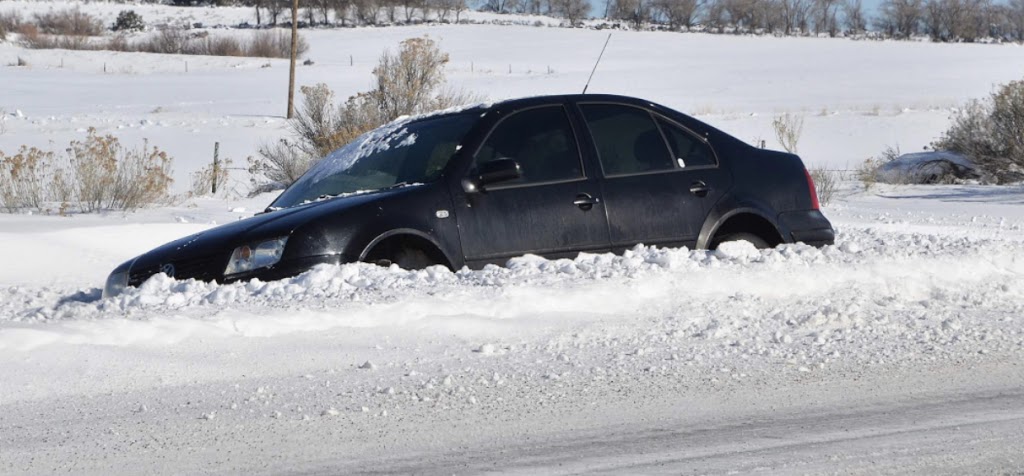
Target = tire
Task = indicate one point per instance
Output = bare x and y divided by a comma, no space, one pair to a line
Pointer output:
412,258
753,239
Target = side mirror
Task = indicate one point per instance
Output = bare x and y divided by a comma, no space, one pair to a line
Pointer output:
500,170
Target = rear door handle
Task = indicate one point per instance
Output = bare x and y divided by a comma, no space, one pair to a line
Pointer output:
699,188
585,201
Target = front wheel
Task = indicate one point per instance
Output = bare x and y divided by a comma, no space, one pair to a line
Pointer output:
412,258
751,238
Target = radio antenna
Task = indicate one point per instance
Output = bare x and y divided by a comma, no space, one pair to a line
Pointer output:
597,63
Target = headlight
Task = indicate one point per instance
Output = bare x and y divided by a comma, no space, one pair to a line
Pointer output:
116,282
247,258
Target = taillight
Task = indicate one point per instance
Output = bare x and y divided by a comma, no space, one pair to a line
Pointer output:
814,191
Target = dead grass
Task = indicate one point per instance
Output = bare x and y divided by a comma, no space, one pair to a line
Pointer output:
68,22
259,44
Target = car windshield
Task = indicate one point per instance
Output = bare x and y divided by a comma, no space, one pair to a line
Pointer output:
392,155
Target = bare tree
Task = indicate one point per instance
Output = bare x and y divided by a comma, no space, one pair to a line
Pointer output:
500,6
636,12
409,8
258,5
715,15
678,14
366,12
572,10
324,7
1014,11
536,7
935,20
742,14
771,17
459,6
900,18
854,17
275,8
443,9
825,17
341,8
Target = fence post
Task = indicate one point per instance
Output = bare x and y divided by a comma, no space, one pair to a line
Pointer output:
216,166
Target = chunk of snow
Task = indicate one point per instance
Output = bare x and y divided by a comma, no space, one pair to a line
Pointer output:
486,349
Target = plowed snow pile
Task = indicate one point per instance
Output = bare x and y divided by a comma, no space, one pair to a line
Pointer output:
356,367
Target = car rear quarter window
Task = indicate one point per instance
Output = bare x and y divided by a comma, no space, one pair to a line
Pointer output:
541,140
687,149
627,139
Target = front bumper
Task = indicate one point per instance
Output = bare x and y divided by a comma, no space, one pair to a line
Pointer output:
124,276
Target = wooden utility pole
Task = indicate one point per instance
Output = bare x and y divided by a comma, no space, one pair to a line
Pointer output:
295,49
216,167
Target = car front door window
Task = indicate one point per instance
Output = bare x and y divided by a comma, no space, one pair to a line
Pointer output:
540,140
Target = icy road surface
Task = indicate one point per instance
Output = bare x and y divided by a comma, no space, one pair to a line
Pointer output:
897,350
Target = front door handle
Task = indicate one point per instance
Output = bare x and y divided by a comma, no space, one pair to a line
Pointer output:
585,201
699,188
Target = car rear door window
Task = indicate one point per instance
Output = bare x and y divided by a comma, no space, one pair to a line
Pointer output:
687,149
541,140
627,139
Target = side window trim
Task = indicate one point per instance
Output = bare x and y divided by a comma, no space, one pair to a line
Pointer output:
687,130
512,113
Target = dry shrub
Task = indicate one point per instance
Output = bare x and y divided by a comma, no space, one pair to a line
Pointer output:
204,179
30,37
167,41
98,173
52,42
260,44
218,46
408,82
274,44
990,132
281,162
24,178
107,176
788,129
826,182
867,172
69,22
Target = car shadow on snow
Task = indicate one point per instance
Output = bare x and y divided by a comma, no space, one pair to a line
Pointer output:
1007,195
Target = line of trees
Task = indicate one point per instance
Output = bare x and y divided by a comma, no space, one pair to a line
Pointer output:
359,12
941,20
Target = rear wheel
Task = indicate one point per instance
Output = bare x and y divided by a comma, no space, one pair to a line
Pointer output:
751,238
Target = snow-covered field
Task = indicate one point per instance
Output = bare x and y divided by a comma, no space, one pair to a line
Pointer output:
897,350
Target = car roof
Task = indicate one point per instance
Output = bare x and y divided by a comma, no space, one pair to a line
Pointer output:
531,100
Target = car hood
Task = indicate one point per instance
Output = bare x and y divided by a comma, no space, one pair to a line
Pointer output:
215,244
